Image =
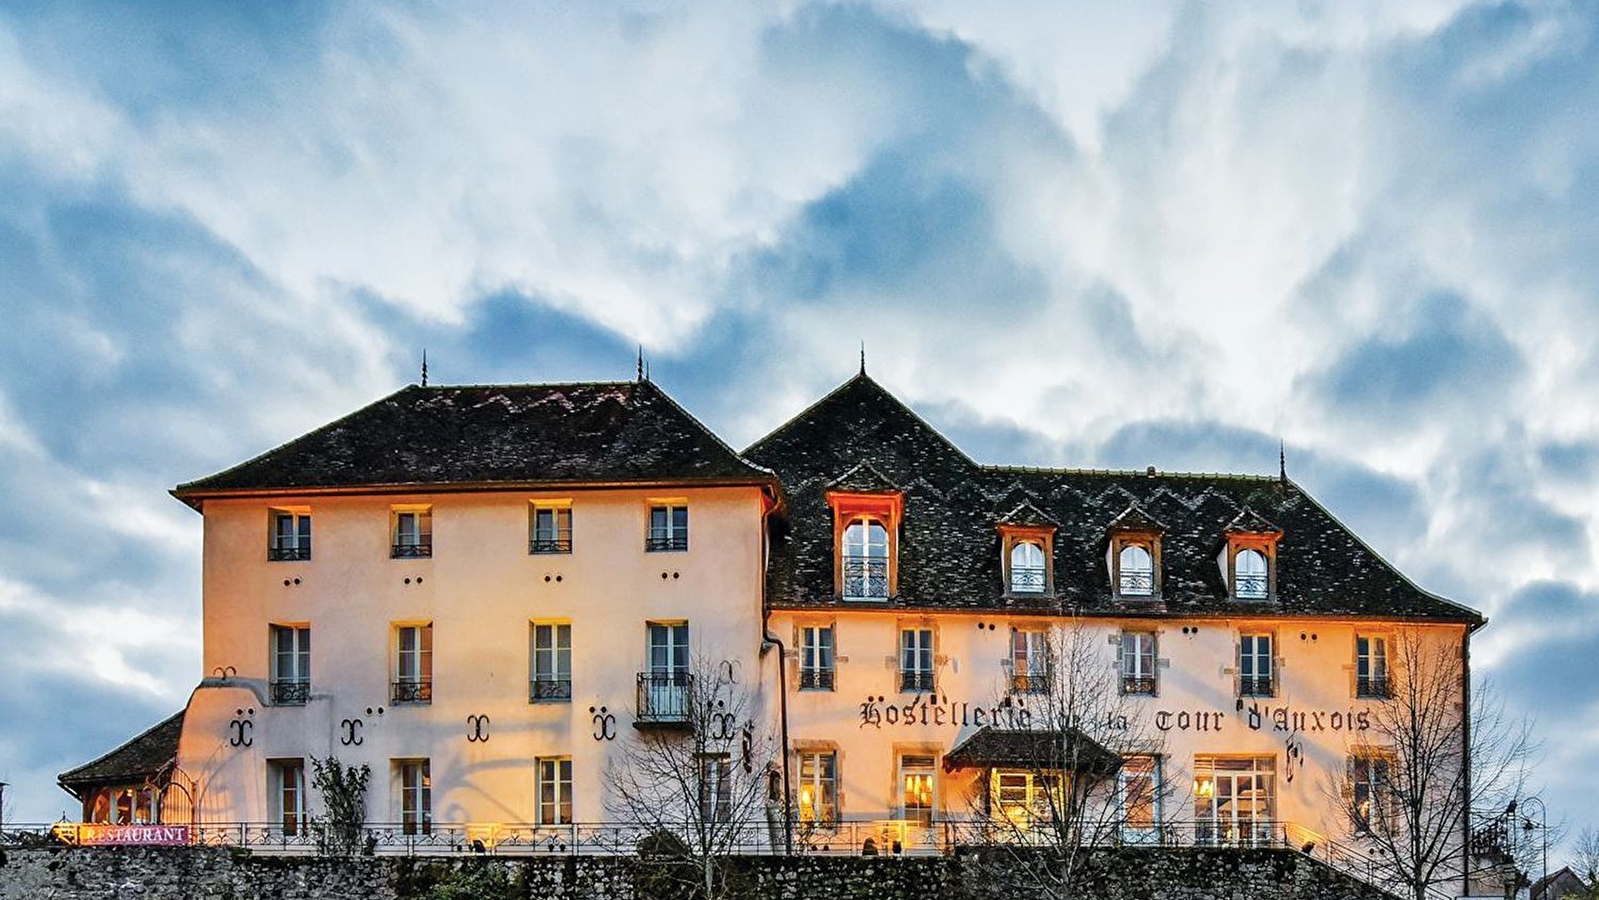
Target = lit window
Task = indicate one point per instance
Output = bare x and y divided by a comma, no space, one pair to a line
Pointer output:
1135,571
818,793
816,658
1029,661
1233,800
552,663
1370,791
291,535
1254,666
550,529
1371,666
416,796
715,787
668,529
291,664
1138,662
555,790
916,660
412,532
1250,575
286,782
1024,798
413,664
1139,786
1027,568
865,558
916,789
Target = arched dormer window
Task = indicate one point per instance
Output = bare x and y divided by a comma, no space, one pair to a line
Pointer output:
1250,574
1249,557
865,559
1135,571
1027,574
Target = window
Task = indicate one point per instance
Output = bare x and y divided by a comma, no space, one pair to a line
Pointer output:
716,787
816,658
916,789
291,664
413,664
1371,666
412,532
1029,661
552,663
291,535
550,529
416,796
818,793
1370,789
916,660
1025,798
1233,800
1027,568
1138,662
1254,666
286,783
668,529
124,806
1135,571
1249,575
865,559
664,689
1138,787
555,790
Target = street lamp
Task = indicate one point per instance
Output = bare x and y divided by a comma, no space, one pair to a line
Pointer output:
1543,828
2,807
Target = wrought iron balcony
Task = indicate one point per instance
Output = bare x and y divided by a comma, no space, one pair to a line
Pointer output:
1027,579
550,690
1029,683
920,682
865,578
1374,688
410,691
289,552
419,549
290,693
1138,684
1255,686
665,699
663,542
1136,584
1250,587
550,545
816,679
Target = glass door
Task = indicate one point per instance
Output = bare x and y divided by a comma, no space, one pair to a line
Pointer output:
666,694
1233,800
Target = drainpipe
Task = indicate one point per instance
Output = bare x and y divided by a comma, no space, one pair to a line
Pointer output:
1465,759
768,639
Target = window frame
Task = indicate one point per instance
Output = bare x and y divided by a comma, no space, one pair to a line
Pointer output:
1013,536
555,540
1253,683
553,685
1029,675
1133,766
821,810
671,535
286,783
298,549
294,687
915,678
1138,679
714,786
418,543
415,798
1369,686
1262,542
847,507
906,765
867,559
561,808
818,658
418,689
1380,800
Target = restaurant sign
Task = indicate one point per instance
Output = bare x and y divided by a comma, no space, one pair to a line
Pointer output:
89,835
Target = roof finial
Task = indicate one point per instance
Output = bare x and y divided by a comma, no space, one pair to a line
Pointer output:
424,367
640,362
863,357
1282,461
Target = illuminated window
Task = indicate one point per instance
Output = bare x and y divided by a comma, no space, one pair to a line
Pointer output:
1135,571
916,788
1027,572
416,796
715,787
555,790
1371,666
286,783
1138,662
291,535
291,665
1025,799
1254,666
668,529
1233,800
411,528
552,663
1138,786
1370,789
865,558
816,658
1029,661
866,544
413,664
818,792
916,660
550,528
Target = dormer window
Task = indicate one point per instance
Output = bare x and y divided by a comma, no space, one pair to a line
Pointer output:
1249,574
867,545
1249,560
1134,554
1026,568
1027,545
1135,571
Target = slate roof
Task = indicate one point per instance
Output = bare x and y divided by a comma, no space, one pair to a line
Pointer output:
140,759
526,434
949,545
991,747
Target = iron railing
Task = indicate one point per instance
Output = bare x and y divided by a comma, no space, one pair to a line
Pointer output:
1374,688
1027,579
1250,587
865,578
1139,684
550,690
664,542
418,549
816,679
409,691
291,692
550,545
1029,683
665,698
918,681
289,552
1255,686
1136,584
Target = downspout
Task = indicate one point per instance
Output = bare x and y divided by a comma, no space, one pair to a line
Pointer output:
1465,755
768,639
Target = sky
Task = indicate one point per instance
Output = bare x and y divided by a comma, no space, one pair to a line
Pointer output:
1148,234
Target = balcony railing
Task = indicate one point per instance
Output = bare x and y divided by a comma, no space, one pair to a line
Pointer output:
865,578
289,552
664,698
920,682
1255,686
1027,579
550,545
1250,587
1029,683
816,679
1136,584
421,549
290,693
409,691
550,690
1138,684
664,542
1374,688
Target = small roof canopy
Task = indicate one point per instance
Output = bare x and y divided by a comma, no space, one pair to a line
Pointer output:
1039,749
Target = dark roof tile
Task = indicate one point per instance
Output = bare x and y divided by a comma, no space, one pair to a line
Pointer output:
139,759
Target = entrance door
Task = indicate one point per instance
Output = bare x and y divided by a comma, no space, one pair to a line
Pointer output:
1233,800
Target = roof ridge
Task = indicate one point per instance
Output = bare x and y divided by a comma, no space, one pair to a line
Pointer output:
1003,468
867,379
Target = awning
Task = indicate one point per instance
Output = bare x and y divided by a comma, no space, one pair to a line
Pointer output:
1033,749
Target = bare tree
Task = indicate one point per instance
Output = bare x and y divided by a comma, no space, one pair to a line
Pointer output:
693,776
1075,766
1585,860
1409,791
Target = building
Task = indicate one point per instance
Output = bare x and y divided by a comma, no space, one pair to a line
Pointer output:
506,583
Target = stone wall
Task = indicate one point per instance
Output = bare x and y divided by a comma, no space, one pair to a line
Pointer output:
221,874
